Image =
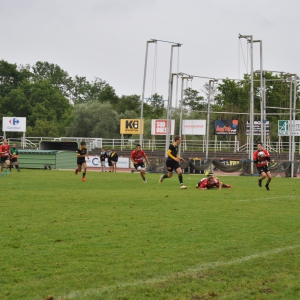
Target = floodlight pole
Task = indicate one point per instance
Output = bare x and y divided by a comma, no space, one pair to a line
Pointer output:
181,109
291,110
168,129
293,127
291,117
264,108
143,93
208,116
262,121
250,39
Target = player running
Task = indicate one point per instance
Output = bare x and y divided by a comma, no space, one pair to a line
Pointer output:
137,157
173,161
82,153
4,152
261,158
14,155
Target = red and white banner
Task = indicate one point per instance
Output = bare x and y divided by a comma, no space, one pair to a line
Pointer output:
159,127
193,127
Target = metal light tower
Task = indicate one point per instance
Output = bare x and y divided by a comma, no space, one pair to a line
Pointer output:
168,129
143,92
208,117
181,107
262,120
250,39
294,127
170,87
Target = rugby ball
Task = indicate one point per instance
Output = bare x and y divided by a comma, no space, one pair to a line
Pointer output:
261,153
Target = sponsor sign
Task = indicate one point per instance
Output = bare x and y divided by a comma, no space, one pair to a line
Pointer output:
159,127
285,128
193,127
226,127
94,162
257,128
14,124
131,126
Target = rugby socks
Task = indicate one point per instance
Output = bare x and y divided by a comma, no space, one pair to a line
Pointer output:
180,179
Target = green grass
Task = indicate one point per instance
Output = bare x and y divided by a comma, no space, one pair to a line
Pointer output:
114,237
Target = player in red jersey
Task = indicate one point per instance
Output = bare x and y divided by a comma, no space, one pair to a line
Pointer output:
203,184
137,157
215,182
211,182
4,152
261,158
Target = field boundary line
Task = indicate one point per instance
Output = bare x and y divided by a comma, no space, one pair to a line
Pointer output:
188,272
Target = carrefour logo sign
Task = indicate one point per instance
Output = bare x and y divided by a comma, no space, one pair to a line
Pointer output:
14,121
14,124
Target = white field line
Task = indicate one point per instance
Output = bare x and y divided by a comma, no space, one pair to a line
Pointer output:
188,272
270,198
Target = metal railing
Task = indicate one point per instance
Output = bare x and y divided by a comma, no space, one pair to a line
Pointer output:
150,144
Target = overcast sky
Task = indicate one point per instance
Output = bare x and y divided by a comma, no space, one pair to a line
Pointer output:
107,38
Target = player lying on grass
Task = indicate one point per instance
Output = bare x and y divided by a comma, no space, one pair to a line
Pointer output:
211,182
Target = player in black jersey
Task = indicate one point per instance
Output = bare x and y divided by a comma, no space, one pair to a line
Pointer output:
173,162
82,153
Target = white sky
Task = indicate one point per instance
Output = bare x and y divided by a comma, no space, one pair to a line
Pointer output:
107,38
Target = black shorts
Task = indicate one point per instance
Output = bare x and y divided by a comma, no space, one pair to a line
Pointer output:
141,165
4,159
172,165
80,161
263,169
14,159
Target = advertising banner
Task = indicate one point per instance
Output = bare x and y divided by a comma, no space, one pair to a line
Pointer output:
257,128
14,124
226,127
285,127
159,127
94,162
193,127
131,126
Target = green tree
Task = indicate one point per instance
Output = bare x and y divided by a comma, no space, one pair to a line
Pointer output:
46,102
43,128
157,106
23,96
10,77
192,100
94,120
54,74
129,103
108,94
80,91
